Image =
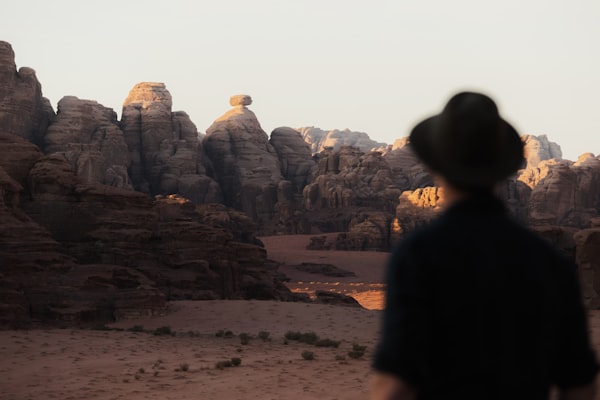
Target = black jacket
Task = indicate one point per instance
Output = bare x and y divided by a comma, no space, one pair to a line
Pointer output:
479,307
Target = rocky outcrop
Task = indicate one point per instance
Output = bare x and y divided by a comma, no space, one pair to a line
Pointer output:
89,136
165,239
23,110
246,165
408,172
320,140
164,148
568,194
418,207
294,156
539,148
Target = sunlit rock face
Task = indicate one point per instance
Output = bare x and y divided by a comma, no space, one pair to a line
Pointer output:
538,149
320,140
164,148
23,110
245,164
89,137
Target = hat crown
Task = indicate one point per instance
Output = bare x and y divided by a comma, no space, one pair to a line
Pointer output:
469,143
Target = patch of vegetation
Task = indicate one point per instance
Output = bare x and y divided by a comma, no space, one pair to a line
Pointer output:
244,338
136,328
357,351
264,336
163,331
236,361
223,364
308,355
328,343
307,337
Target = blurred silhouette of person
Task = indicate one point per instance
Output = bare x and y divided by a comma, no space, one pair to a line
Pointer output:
479,307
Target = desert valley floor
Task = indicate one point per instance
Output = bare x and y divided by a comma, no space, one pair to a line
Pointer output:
109,364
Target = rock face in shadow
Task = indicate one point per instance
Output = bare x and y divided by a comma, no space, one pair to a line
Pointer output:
89,136
77,252
294,155
164,148
23,110
346,182
246,165
408,172
568,194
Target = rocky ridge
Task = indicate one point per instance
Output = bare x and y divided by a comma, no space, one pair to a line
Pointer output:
96,173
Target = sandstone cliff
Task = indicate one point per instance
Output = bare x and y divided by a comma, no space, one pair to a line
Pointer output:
89,136
23,110
164,148
246,165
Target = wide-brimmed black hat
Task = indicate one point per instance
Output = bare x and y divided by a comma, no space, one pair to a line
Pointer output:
468,143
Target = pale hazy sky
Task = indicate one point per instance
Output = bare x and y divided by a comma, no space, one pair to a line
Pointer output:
375,66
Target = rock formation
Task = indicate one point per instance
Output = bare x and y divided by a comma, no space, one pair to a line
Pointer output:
567,195
294,155
407,172
23,110
246,165
539,148
320,140
165,151
89,136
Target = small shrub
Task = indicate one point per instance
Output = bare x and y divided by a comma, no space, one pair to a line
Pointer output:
136,328
264,336
163,331
307,337
142,371
236,361
184,366
308,355
228,334
340,358
328,343
100,327
357,347
220,333
223,364
244,338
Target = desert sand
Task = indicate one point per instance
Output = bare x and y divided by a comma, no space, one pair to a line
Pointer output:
126,364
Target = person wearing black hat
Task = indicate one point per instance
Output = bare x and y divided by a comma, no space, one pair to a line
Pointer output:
477,306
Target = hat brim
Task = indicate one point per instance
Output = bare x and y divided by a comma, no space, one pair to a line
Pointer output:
504,160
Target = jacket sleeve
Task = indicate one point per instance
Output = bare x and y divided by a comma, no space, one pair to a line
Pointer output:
575,363
402,350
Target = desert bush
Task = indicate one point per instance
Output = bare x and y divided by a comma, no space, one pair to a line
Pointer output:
264,336
228,334
224,364
308,355
357,351
327,343
307,337
182,367
220,333
236,361
136,328
163,331
244,338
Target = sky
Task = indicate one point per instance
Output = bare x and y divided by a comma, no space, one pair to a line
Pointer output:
376,66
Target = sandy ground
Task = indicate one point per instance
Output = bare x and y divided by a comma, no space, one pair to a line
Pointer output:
366,287
109,364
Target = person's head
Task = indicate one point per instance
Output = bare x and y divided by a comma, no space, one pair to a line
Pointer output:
468,144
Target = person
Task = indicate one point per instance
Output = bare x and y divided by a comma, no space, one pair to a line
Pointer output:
478,306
